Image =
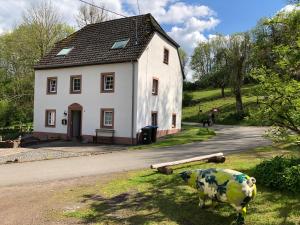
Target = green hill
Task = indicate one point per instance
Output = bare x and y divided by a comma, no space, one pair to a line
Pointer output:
206,100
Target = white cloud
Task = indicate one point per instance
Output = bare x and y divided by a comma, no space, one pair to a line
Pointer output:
188,21
191,33
290,8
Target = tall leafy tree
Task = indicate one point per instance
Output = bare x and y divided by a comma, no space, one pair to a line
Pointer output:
238,55
210,62
279,81
183,57
19,51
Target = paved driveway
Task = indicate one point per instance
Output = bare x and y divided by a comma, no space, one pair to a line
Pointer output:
229,139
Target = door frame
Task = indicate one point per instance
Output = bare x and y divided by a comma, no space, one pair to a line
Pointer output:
74,107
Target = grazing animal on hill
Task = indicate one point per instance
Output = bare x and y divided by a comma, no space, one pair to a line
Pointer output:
222,185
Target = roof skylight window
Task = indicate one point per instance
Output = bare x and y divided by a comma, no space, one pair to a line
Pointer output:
64,51
120,44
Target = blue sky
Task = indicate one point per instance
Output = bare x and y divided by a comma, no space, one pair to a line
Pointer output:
238,15
241,15
187,21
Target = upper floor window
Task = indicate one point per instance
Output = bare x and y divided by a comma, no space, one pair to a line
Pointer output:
107,118
154,119
154,86
166,56
51,85
50,118
107,82
173,120
75,84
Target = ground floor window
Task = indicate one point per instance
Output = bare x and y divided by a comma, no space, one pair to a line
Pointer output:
50,118
107,118
174,120
154,119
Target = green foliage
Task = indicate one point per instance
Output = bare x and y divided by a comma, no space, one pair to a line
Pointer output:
19,51
279,79
279,173
206,100
187,99
281,135
183,57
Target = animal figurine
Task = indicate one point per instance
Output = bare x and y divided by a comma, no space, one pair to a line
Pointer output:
222,185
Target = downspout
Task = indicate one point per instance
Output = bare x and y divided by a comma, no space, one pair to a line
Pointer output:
132,103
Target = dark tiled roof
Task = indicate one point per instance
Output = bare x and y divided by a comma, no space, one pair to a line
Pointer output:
92,44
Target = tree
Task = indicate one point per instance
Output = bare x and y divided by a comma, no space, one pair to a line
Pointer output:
202,60
46,26
238,55
183,57
19,51
279,83
210,63
89,14
220,73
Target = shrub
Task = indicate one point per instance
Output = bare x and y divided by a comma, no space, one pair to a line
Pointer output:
187,99
279,173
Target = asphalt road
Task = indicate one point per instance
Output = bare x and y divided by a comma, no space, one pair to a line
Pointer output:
229,139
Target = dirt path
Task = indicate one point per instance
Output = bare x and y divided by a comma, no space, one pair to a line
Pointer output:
36,204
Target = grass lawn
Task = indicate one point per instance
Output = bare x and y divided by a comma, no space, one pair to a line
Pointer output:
206,100
188,134
146,197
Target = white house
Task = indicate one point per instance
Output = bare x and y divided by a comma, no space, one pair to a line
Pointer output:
119,75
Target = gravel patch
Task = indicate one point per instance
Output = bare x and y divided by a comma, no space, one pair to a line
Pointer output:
40,154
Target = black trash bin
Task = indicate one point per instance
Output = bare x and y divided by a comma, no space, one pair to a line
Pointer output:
147,135
154,133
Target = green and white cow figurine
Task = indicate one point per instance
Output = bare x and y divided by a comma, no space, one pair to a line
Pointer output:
222,185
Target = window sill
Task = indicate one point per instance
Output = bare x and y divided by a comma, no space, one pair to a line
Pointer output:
107,127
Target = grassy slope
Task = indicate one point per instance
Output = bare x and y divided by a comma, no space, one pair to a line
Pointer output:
209,99
146,197
188,134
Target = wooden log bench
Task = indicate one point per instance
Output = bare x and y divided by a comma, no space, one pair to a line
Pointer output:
165,169
104,136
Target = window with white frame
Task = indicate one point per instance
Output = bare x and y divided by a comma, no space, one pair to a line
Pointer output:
52,85
107,118
50,118
75,84
107,82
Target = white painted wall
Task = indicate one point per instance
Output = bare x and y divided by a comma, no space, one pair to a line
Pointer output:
90,98
149,65
169,98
